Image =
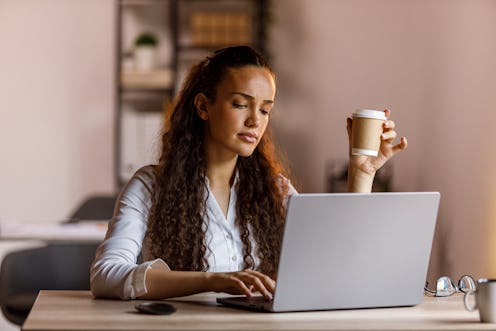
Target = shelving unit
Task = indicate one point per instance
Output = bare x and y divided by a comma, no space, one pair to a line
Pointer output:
186,31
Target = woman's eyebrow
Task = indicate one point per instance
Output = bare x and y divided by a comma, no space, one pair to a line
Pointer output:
247,96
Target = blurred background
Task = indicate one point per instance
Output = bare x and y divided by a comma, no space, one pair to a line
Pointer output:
79,111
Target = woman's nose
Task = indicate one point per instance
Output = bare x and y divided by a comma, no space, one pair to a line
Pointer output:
253,118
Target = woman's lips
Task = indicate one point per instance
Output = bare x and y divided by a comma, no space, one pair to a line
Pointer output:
248,137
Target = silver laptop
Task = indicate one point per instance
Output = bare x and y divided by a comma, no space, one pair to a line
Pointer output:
347,251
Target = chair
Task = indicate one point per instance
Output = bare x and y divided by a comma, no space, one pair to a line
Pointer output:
99,207
53,267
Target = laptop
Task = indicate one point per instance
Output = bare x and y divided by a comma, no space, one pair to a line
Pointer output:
349,250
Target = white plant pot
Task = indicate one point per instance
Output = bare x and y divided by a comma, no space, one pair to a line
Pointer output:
145,58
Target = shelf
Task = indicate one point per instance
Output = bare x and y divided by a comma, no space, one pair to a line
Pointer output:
156,79
145,101
216,24
141,2
186,31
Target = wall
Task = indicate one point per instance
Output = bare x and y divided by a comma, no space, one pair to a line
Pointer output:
433,64
56,105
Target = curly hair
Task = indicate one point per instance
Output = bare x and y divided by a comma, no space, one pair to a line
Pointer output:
177,224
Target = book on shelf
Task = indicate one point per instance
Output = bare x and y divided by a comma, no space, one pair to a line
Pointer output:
153,79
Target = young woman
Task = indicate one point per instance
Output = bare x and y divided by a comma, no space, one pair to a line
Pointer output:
210,215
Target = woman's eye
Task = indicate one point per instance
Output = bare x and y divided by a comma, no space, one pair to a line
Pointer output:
238,105
264,112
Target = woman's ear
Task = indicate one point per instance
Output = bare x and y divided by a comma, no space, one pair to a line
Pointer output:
201,106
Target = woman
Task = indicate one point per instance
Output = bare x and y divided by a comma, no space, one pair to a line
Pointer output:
210,215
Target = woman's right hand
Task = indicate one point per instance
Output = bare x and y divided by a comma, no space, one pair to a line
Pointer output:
242,282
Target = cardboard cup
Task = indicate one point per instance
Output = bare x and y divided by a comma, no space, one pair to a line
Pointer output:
367,130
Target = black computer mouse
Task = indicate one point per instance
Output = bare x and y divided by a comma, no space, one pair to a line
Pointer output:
155,308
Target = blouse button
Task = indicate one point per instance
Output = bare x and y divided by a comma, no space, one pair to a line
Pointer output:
233,258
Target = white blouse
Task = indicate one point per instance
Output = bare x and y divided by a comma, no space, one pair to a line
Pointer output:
115,272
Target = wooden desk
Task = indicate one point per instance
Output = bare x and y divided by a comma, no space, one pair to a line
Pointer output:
77,310
90,231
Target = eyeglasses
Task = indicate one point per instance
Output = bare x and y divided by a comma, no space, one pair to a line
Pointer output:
446,287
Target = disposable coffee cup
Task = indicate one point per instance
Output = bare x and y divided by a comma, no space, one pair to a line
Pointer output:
485,300
367,130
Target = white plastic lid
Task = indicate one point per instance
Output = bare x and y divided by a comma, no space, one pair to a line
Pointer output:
369,113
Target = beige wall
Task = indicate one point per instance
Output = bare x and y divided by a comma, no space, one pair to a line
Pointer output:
432,62
56,105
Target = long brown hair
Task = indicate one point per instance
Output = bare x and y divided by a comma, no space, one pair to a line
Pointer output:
177,224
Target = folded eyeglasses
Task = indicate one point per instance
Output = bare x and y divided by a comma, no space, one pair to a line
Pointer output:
446,287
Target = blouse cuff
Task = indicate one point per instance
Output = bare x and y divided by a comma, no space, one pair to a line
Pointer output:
136,284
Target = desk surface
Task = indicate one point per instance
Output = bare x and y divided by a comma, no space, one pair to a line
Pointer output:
77,310
85,231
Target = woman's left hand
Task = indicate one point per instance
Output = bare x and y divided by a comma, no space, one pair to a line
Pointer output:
363,165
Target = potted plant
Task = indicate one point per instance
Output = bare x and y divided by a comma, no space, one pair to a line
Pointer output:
145,52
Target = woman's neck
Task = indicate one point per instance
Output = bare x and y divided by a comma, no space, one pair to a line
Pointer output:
220,165
221,173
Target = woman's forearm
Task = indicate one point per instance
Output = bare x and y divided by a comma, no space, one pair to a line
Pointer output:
161,283
359,181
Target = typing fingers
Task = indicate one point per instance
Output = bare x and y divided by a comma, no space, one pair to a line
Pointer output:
249,281
265,281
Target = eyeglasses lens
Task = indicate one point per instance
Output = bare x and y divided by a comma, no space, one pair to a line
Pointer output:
467,284
445,287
